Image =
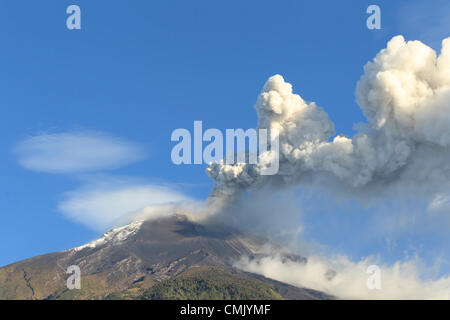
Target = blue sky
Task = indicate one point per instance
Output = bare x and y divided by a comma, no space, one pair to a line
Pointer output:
137,71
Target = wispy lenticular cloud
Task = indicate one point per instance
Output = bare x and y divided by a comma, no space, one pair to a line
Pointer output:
102,201
76,152
108,202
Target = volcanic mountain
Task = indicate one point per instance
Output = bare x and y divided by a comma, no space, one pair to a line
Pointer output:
167,258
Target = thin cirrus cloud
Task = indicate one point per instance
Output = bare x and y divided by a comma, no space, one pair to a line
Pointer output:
108,201
76,152
102,201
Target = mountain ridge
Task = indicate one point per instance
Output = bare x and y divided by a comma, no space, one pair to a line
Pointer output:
148,259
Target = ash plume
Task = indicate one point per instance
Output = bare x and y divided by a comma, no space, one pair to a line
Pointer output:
405,95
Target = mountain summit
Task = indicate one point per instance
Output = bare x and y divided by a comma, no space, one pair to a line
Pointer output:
167,258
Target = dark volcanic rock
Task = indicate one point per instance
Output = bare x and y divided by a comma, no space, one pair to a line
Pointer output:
138,256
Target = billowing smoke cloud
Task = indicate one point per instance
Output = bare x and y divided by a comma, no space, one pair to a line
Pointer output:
346,279
403,149
405,95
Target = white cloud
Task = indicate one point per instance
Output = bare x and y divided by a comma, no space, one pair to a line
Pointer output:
402,151
113,202
400,280
440,202
75,152
439,209
403,148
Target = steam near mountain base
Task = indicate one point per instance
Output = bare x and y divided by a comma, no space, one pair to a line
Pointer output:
402,150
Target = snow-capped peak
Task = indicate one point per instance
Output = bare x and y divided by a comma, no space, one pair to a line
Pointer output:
113,236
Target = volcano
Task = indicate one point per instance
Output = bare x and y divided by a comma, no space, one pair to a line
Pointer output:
166,258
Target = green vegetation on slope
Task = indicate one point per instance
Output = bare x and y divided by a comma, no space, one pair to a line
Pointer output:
92,286
205,283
